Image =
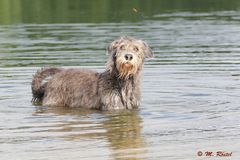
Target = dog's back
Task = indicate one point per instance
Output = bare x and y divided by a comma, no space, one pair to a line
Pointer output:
66,87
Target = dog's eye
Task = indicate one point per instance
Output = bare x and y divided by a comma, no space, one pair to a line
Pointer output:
122,47
135,49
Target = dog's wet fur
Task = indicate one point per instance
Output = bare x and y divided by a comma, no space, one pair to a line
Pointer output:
118,87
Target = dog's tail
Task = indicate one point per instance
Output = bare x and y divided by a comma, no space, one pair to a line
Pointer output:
38,87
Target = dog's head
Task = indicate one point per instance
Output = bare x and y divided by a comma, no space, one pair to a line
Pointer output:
127,55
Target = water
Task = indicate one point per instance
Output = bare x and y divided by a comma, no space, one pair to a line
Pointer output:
190,89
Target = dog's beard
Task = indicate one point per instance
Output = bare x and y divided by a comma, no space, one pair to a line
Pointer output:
126,70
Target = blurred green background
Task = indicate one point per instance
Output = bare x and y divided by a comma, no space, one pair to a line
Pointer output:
100,11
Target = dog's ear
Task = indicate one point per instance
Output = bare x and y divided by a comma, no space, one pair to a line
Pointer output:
112,46
147,50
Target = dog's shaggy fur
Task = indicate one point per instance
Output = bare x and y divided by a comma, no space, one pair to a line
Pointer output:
118,87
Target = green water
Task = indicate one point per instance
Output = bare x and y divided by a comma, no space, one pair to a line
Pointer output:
190,89
104,11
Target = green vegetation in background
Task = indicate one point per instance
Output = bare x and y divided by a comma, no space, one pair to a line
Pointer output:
98,11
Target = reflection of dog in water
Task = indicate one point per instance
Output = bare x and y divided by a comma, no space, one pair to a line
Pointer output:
122,131
118,87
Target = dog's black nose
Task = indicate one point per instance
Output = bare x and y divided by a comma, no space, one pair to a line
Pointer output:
128,57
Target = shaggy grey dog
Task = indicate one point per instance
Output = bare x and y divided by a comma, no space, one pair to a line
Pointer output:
118,87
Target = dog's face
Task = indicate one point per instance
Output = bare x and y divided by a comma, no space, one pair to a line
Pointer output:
127,54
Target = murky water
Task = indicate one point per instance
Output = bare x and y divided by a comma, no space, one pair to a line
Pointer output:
190,90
